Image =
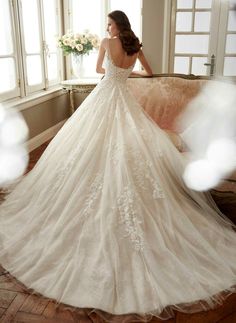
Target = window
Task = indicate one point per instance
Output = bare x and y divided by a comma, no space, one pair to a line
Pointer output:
81,17
192,35
9,76
29,58
229,63
132,10
204,38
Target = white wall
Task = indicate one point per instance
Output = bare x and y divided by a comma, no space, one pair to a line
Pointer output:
155,36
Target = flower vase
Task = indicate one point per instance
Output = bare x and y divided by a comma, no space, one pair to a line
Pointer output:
78,66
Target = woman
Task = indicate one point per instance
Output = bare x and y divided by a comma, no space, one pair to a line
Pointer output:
105,221
124,45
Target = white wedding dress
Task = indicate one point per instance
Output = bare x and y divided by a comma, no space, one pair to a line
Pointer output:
105,221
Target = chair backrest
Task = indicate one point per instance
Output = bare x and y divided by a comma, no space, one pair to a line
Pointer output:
165,98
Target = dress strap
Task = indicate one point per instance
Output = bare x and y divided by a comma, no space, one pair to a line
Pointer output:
108,49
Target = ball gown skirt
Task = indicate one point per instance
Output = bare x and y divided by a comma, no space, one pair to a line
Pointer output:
105,221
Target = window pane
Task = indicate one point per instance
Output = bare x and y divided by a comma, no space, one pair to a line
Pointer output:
89,62
181,65
230,44
87,15
202,21
31,26
184,21
132,9
34,69
6,43
232,21
184,4
7,75
50,23
230,66
198,67
203,4
191,44
52,64
85,18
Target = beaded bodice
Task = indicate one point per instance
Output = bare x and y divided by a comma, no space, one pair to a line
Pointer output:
114,72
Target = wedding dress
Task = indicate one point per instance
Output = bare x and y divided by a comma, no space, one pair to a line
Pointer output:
105,221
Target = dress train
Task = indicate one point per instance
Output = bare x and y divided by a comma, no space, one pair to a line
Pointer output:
105,221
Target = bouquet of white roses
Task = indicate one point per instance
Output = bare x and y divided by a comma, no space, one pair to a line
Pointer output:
78,44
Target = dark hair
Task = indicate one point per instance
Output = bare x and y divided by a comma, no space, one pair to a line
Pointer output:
129,41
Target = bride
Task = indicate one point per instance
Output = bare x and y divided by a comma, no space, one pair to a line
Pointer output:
105,221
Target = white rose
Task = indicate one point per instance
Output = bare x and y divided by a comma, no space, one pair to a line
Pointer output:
72,43
79,47
66,42
96,37
83,40
90,37
78,36
95,43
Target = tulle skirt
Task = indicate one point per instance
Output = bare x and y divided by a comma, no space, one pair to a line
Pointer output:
104,220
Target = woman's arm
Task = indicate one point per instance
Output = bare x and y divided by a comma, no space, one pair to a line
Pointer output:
101,53
147,69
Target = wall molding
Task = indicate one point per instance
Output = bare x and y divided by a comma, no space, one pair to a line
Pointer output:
46,135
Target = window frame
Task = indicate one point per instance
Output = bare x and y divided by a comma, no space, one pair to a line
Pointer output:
174,33
217,39
17,90
22,89
29,89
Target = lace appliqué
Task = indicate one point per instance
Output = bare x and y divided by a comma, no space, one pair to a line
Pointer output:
129,218
65,168
159,152
157,192
143,176
114,72
115,152
141,168
93,193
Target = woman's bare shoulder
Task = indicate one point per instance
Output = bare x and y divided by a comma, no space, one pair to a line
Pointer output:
104,42
115,43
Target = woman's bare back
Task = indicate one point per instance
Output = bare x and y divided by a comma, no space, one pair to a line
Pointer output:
117,54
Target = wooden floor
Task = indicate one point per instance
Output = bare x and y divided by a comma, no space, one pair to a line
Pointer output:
18,305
